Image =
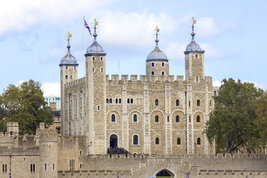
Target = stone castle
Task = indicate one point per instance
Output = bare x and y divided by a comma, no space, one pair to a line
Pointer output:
148,127
156,114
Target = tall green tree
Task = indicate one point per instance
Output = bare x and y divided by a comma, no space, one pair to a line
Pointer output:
232,124
24,104
261,122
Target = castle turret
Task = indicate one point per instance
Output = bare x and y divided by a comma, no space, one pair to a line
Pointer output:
68,72
157,63
96,84
48,153
194,59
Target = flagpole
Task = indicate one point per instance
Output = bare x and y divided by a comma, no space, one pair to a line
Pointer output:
83,40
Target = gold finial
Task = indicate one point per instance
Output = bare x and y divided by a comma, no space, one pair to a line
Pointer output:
157,29
95,22
69,35
194,21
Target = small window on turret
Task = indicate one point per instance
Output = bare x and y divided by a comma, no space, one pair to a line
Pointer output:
93,58
152,73
66,76
162,64
101,58
66,67
196,56
152,64
162,73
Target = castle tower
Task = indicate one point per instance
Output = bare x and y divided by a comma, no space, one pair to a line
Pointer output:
157,64
96,84
194,72
68,72
194,59
48,154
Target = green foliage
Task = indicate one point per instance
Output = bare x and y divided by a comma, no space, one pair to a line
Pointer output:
233,123
24,104
261,122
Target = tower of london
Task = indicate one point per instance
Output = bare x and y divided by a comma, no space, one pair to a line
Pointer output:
156,113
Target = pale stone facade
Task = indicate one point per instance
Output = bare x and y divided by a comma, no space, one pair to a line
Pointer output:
106,109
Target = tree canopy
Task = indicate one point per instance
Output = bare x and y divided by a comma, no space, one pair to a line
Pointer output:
235,121
24,104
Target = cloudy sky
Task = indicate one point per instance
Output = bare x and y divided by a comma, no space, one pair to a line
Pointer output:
33,41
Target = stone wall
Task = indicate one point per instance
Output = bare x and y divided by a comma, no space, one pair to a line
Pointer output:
199,166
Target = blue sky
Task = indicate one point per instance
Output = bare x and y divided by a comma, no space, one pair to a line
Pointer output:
33,41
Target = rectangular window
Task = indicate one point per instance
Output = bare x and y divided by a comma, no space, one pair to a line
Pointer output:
45,166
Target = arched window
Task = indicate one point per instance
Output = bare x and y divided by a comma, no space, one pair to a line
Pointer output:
119,100
116,100
198,118
162,73
178,141
110,100
177,102
196,55
198,141
152,73
152,64
198,102
157,141
131,100
156,102
177,118
66,76
128,100
113,118
162,64
135,118
135,139
156,118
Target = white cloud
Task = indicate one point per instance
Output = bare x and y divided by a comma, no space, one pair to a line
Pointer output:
217,83
206,27
133,29
175,51
212,52
19,14
51,89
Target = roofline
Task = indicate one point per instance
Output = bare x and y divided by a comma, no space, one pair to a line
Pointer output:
68,65
187,52
95,54
149,60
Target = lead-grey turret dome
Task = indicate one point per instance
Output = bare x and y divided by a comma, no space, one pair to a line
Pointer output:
156,54
95,48
68,59
193,46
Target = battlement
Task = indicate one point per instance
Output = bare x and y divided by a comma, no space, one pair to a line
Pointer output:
20,151
115,79
75,82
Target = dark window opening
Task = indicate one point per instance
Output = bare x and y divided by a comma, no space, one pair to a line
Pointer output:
168,119
177,102
198,141
152,73
135,140
198,118
119,100
135,118
162,73
113,118
107,100
162,64
156,118
198,102
128,100
131,100
110,100
156,102
177,118
157,141
178,141
66,76
152,64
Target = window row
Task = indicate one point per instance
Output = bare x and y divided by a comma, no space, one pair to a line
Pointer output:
117,100
162,64
162,73
113,118
4,167
32,167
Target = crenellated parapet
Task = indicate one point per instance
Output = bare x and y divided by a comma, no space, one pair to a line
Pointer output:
75,83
